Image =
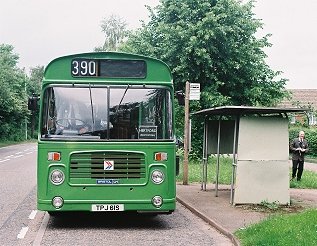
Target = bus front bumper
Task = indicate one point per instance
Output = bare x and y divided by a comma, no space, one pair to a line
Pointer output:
58,204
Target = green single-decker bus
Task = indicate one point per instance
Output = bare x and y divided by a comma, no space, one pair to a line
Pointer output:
106,135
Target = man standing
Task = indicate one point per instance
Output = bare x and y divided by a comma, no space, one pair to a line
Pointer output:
299,147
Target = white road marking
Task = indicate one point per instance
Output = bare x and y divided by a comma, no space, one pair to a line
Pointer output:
4,160
29,149
23,232
17,156
17,153
39,236
7,157
33,214
28,153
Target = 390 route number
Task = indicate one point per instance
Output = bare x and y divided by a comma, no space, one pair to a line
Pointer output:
83,68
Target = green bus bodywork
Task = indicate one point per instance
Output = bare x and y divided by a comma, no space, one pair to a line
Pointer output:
100,136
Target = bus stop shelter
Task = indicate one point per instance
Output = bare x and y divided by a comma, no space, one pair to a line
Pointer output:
257,138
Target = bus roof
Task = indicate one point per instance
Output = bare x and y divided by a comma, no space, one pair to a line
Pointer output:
59,69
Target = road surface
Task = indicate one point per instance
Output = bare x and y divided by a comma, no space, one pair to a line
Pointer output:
22,224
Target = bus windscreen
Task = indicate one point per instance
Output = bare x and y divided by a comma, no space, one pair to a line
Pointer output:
107,113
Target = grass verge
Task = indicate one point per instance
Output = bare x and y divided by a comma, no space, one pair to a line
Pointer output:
7,143
280,230
195,171
309,178
308,181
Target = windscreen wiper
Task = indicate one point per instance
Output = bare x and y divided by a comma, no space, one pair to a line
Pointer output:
125,92
92,109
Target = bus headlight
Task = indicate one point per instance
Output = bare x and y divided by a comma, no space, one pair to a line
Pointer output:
157,201
57,202
157,177
57,177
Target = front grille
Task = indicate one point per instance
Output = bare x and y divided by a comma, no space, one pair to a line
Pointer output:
127,165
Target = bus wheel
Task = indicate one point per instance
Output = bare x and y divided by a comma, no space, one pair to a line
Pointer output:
55,214
148,215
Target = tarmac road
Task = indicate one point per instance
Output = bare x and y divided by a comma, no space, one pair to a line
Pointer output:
17,181
22,224
179,228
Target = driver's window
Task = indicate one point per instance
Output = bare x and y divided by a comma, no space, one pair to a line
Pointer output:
51,119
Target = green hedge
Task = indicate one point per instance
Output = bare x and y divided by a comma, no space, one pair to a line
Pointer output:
310,135
14,131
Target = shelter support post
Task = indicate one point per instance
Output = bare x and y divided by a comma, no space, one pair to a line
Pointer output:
186,136
218,156
234,156
205,157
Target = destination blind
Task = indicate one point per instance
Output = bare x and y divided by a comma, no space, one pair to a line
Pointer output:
108,68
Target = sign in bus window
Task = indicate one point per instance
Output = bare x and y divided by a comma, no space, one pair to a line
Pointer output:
148,132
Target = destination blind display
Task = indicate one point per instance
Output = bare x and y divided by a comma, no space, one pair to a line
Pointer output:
108,68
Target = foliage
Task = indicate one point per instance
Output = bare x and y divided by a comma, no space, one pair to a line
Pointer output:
270,205
36,76
280,230
16,86
13,82
310,135
115,30
212,43
34,87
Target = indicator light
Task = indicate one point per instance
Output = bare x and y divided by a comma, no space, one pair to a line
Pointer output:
54,156
160,156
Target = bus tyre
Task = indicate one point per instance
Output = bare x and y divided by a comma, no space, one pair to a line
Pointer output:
55,214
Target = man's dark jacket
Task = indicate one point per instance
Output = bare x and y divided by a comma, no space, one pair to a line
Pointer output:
298,155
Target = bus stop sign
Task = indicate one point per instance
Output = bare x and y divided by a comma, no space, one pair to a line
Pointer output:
194,91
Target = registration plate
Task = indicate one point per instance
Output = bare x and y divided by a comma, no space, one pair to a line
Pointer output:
107,207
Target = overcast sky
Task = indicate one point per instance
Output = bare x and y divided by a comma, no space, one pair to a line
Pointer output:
41,30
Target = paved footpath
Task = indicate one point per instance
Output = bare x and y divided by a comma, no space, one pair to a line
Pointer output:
307,166
308,197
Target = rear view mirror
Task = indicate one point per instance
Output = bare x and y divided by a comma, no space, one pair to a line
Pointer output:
180,97
32,102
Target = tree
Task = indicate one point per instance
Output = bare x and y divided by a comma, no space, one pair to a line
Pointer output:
212,43
115,30
13,81
36,76
34,87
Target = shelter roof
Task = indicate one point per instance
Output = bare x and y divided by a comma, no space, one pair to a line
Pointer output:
240,110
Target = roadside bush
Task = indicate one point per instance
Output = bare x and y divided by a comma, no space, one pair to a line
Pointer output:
12,131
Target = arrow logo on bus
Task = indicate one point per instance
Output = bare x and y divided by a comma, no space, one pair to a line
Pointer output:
108,165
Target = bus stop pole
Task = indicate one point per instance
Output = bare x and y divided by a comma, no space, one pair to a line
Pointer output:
186,133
